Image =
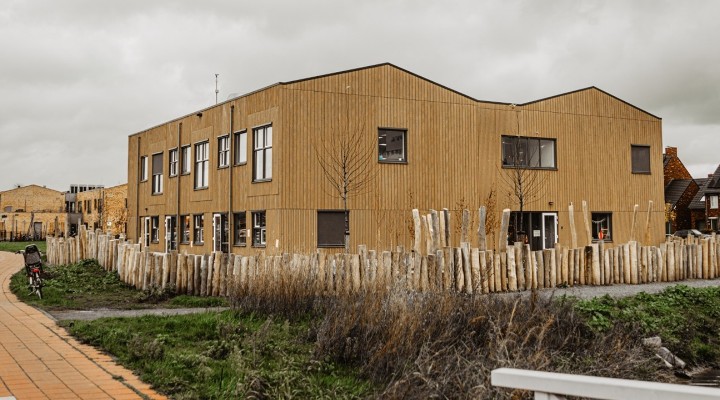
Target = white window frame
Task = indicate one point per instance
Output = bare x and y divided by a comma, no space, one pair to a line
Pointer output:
143,168
202,164
713,202
259,225
262,153
198,229
240,143
186,160
224,151
157,178
173,162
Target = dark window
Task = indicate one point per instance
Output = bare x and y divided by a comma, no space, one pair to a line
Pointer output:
240,149
199,228
392,146
602,226
640,159
223,151
525,152
185,165
173,166
157,173
155,229
240,229
331,228
143,168
258,229
202,160
185,229
262,153
171,232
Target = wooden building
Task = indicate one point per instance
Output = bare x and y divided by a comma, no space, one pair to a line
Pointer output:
251,174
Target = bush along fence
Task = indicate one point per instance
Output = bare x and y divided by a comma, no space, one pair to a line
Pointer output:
461,269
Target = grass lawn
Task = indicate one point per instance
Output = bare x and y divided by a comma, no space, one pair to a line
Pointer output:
16,246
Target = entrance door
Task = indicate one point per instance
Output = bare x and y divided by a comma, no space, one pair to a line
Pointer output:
220,232
549,230
170,233
146,232
37,230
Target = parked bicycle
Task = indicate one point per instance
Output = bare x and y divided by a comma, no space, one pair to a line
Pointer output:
33,268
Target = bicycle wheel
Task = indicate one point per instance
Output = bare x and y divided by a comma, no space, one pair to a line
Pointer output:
37,284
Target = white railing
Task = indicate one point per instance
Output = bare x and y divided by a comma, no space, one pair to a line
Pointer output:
553,386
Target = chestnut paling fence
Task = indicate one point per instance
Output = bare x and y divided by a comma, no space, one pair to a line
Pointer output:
433,267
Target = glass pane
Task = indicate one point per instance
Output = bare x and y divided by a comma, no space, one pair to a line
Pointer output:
259,162
533,151
521,152
268,136
547,153
258,140
268,163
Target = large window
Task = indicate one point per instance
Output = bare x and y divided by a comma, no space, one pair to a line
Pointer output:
185,229
199,229
602,226
258,229
331,228
143,168
185,165
202,159
713,202
262,153
240,150
173,166
157,173
239,229
527,152
155,229
640,159
392,146
223,151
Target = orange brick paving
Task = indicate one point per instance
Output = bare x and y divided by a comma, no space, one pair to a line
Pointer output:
39,360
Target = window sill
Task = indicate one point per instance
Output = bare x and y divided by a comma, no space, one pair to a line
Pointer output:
185,173
198,243
392,162
201,188
331,246
641,173
223,166
259,246
240,245
154,241
240,164
157,194
184,242
173,176
262,180
532,168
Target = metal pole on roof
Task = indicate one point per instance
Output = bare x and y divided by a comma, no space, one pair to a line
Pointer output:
216,88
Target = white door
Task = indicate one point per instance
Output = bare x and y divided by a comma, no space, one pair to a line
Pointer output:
549,230
217,232
168,234
146,233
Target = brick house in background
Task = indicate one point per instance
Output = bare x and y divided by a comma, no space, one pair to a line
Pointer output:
31,210
704,208
104,208
680,190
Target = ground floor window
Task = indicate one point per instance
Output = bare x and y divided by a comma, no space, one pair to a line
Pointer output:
713,223
601,226
171,232
198,229
239,229
185,229
258,228
330,228
155,229
536,228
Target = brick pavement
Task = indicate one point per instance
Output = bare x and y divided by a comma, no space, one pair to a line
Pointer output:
39,360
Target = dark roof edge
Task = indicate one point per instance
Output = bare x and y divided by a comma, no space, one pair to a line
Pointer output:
589,88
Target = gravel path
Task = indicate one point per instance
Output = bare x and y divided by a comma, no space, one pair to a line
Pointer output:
107,312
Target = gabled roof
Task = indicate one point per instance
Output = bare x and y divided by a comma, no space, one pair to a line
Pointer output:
697,202
675,189
29,187
714,181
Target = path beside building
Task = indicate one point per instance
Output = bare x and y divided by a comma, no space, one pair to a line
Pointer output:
39,360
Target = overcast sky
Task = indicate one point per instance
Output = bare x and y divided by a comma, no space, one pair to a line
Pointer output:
77,77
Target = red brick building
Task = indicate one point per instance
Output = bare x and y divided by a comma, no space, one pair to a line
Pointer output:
704,208
680,190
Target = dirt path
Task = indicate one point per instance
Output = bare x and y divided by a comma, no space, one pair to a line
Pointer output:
39,360
107,312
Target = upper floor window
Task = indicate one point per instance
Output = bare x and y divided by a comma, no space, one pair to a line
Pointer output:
392,145
143,168
240,150
262,153
224,151
202,157
173,166
527,152
157,173
640,159
185,165
713,202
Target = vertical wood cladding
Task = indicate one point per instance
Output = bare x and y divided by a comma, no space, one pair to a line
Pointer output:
453,157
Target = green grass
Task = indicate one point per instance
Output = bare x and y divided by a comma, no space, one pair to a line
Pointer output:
221,355
86,285
16,246
687,319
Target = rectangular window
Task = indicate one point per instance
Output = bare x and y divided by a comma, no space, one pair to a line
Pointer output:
185,229
155,229
713,202
392,145
157,173
330,228
143,168
185,165
198,229
713,223
640,159
601,226
223,151
240,143
202,160
258,229
173,166
239,229
527,152
262,153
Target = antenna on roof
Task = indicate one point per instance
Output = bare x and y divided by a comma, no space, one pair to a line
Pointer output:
216,88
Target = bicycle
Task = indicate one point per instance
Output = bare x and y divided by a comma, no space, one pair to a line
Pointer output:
36,283
33,269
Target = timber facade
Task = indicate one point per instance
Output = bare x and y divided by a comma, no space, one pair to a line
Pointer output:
247,175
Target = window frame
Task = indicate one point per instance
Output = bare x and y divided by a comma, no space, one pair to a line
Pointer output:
633,168
185,159
157,186
240,240
185,222
202,166
595,216
713,201
264,150
524,163
223,152
155,229
319,235
404,158
240,149
198,229
173,162
143,169
260,229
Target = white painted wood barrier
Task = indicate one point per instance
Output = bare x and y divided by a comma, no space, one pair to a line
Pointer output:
553,386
